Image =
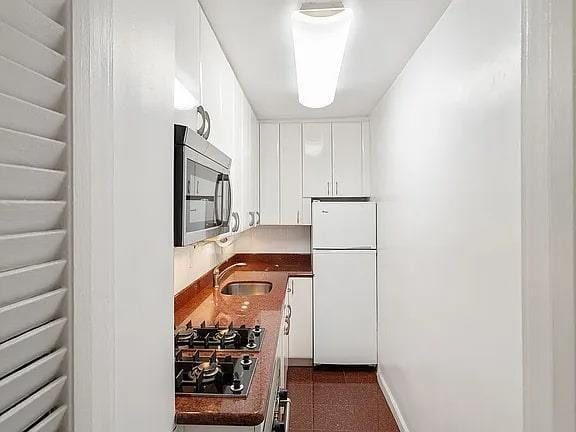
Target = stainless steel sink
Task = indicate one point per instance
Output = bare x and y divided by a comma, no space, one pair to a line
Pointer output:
247,288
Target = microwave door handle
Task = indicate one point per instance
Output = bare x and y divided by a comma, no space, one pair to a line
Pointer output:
229,203
218,202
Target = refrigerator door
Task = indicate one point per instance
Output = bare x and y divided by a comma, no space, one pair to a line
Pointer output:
345,319
343,225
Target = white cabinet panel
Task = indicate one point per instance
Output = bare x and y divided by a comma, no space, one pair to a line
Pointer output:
285,345
290,173
212,65
345,288
347,158
317,159
269,174
300,291
187,49
255,167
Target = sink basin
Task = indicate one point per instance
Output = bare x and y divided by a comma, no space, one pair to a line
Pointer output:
247,288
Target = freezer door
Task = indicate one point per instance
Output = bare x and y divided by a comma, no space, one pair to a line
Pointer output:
343,225
345,318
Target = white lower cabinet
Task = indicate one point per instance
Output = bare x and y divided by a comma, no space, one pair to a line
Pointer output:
300,337
284,342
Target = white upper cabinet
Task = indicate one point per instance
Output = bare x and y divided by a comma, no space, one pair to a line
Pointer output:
255,167
187,35
216,94
334,159
317,162
291,174
347,158
269,173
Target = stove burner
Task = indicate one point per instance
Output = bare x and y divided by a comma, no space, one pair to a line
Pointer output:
227,337
211,373
217,337
206,370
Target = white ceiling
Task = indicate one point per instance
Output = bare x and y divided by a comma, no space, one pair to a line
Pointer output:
257,39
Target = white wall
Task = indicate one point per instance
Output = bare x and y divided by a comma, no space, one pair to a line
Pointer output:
275,239
193,261
446,168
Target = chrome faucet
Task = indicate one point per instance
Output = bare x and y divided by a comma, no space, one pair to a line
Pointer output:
217,274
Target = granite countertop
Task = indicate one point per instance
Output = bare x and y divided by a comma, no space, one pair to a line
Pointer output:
200,302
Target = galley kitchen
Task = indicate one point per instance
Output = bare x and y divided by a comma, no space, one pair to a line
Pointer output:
287,216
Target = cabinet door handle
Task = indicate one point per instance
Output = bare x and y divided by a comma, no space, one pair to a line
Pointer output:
336,188
328,188
197,186
298,217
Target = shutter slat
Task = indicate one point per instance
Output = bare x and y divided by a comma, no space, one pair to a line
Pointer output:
18,217
18,148
21,250
32,22
16,114
33,220
19,284
25,348
20,384
18,182
54,9
20,317
51,422
28,52
30,410
25,84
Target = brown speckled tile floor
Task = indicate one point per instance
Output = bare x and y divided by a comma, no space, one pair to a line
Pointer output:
338,399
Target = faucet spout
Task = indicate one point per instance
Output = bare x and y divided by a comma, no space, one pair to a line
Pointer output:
218,274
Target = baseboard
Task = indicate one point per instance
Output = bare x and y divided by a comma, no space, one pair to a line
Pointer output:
392,404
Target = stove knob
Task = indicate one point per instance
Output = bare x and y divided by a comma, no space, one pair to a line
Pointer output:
282,394
246,361
257,329
278,426
237,386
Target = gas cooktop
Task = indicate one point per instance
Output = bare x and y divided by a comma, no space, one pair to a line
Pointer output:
216,337
213,373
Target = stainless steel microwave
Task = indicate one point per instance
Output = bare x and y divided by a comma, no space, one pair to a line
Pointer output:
202,190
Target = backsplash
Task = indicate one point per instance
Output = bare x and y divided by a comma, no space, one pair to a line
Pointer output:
192,262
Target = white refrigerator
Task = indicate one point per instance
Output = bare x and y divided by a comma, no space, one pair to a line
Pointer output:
344,263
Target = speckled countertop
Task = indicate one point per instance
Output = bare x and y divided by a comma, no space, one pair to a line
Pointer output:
200,302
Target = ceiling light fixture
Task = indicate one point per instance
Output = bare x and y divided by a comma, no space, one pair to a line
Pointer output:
183,98
320,32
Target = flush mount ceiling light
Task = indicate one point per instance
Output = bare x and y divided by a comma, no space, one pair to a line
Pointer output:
183,99
320,32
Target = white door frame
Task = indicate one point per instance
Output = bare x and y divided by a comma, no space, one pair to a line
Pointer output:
548,217
92,178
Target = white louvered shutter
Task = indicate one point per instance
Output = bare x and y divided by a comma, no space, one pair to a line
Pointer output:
33,216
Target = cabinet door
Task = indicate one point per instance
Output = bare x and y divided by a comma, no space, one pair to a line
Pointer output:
290,173
211,76
187,45
237,154
348,159
269,174
317,159
301,321
255,140
285,335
